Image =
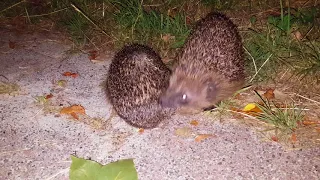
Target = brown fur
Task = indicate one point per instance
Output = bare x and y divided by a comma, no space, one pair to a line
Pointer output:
210,67
136,79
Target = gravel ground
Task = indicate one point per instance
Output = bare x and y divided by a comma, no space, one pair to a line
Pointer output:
37,144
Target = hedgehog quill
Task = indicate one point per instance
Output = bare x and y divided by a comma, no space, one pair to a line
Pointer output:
136,79
210,66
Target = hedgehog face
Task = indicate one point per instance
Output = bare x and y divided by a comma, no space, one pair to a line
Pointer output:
188,92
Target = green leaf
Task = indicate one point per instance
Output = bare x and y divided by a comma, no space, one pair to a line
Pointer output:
82,169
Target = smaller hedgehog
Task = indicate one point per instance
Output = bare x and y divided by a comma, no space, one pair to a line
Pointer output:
136,79
210,67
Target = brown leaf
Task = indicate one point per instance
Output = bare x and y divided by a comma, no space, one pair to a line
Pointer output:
74,75
307,122
194,123
296,35
294,137
12,45
237,115
67,73
78,109
141,130
274,138
201,137
269,94
188,20
167,37
235,109
49,96
74,115
93,55
238,97
172,12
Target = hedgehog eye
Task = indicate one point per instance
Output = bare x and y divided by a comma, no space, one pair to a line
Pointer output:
184,96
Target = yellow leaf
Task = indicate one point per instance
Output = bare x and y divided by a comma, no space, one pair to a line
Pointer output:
251,107
62,83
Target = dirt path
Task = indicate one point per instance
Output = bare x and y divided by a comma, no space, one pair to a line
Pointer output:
36,141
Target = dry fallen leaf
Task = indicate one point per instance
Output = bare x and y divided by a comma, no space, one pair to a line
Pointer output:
140,130
74,115
201,137
188,20
309,122
269,94
296,35
236,115
48,96
194,123
274,138
62,83
172,12
183,132
73,110
167,37
294,137
74,75
93,55
238,96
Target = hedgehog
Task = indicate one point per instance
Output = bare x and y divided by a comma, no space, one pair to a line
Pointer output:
136,79
210,66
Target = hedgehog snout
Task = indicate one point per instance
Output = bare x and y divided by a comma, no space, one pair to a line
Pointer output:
167,102
174,100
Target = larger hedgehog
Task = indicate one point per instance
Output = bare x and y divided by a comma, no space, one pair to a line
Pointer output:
210,67
136,79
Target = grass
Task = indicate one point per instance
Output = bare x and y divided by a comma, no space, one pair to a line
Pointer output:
137,25
286,119
220,4
277,44
165,25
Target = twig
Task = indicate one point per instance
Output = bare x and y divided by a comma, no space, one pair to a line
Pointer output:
254,63
77,9
244,114
261,67
307,98
39,15
16,4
